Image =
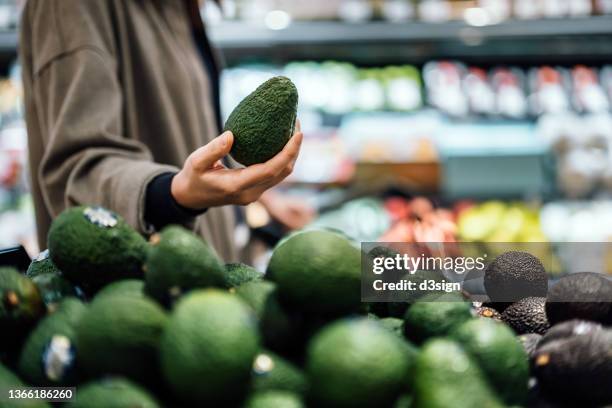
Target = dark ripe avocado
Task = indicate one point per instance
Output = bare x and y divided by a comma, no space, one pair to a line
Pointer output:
264,121
515,275
583,295
274,399
238,273
577,367
120,335
499,354
530,342
447,376
318,272
275,324
49,356
527,316
272,372
113,393
179,261
355,362
93,246
20,306
568,329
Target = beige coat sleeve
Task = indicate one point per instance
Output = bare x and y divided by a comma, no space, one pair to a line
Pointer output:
87,157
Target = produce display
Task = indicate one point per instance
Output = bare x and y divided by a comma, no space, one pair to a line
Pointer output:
174,327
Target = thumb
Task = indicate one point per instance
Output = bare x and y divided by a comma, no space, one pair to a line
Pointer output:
206,156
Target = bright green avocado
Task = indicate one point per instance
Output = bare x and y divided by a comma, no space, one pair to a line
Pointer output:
446,376
126,287
357,363
113,393
208,348
274,322
264,121
274,399
272,372
120,335
93,246
318,271
500,355
179,261
433,318
8,380
238,273
48,357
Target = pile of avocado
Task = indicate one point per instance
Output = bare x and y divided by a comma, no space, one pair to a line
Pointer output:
165,323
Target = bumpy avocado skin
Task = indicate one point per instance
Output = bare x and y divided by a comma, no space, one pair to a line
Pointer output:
91,255
527,316
515,275
584,295
264,121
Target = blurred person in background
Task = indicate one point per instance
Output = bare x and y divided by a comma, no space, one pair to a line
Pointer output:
122,111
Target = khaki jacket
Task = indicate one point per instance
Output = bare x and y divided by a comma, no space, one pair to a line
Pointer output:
115,94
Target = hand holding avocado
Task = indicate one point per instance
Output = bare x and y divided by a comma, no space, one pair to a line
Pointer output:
262,133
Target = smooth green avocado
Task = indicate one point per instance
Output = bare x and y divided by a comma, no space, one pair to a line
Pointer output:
500,355
274,399
264,121
272,372
49,355
433,318
113,393
120,335
318,271
126,287
356,362
179,261
93,246
208,347
446,376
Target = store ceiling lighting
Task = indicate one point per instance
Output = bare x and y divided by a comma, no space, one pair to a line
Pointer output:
277,20
477,17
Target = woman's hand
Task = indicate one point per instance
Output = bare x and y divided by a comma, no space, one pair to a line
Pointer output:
205,182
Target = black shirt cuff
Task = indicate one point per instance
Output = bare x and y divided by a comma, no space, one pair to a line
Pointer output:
161,208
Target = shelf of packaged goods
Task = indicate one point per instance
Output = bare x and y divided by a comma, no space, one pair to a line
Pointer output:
553,40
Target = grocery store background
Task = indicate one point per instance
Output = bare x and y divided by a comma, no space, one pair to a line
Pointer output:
424,120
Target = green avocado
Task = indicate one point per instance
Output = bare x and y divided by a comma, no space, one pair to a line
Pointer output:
274,322
356,362
319,272
499,354
93,246
432,318
446,376
42,264
127,288
53,288
21,306
49,355
274,399
120,335
238,273
179,261
8,381
264,121
272,372
208,348
113,393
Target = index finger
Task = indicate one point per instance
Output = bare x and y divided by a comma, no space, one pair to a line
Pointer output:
259,173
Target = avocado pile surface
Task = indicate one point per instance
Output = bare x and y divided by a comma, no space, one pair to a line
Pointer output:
178,328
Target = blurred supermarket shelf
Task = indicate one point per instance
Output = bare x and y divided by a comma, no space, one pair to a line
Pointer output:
558,40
